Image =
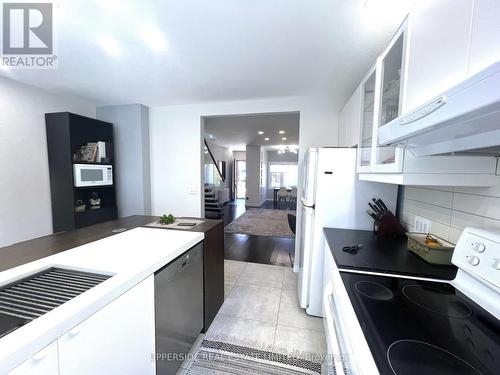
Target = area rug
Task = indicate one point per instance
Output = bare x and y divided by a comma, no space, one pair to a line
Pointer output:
215,357
262,222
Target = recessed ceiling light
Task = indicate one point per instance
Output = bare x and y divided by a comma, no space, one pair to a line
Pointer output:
281,132
154,38
266,139
110,45
283,139
109,4
260,132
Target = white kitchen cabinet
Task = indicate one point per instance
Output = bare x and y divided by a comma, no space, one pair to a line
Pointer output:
381,101
118,339
44,362
428,55
349,120
438,48
389,87
485,35
478,171
366,122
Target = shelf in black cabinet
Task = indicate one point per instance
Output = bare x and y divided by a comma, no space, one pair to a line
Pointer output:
93,187
94,216
88,210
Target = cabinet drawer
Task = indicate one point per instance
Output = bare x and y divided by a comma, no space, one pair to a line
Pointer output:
118,339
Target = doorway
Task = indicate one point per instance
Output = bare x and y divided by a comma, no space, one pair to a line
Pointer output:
240,178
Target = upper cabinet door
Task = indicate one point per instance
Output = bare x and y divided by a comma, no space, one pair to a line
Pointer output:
353,118
388,101
485,37
438,48
367,109
349,120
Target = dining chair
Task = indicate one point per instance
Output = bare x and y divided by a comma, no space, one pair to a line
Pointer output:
293,198
282,195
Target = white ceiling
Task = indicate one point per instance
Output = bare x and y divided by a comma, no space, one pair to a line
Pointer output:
236,132
214,50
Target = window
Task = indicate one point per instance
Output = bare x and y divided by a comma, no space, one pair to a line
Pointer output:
283,175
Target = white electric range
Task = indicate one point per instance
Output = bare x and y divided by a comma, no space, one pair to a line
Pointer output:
381,322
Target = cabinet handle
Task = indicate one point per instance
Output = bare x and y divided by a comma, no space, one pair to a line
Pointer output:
40,355
75,331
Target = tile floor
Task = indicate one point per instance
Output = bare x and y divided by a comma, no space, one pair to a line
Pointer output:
262,311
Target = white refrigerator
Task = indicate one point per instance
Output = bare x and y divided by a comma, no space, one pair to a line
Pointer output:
334,197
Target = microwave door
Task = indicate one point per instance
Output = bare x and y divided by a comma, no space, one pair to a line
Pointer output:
92,175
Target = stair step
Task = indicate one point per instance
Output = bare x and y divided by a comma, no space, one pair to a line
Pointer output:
213,206
212,210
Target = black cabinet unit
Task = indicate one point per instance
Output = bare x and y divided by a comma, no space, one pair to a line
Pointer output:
66,134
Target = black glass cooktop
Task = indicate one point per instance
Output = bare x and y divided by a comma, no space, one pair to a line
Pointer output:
419,327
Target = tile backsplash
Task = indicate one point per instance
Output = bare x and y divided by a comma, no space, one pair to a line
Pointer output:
451,209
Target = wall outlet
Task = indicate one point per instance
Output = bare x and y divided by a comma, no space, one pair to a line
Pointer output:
422,225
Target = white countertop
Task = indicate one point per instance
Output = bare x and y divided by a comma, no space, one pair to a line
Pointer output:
131,256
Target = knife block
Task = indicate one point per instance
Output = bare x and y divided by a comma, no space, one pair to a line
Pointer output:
389,226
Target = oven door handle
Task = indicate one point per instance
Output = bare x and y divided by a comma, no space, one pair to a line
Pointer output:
337,360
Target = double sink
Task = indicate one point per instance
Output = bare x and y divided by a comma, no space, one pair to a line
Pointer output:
31,297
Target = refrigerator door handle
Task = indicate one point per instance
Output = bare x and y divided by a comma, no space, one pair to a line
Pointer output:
304,203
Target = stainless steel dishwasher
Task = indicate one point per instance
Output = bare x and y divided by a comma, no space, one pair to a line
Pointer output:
178,308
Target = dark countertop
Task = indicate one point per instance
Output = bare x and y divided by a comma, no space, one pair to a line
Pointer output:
386,255
28,251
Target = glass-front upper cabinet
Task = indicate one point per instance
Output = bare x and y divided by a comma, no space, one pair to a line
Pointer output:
365,146
388,101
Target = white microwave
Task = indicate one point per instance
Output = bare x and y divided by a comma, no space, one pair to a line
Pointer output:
92,175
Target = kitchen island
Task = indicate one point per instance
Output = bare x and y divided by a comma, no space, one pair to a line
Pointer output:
110,326
213,230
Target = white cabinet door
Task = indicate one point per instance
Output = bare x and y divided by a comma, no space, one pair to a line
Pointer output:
438,48
343,127
389,87
350,119
365,138
485,38
118,339
44,362
353,118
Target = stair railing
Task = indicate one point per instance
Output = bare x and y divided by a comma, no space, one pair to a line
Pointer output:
214,161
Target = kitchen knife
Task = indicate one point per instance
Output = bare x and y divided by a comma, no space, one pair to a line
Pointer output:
380,207
383,205
375,208
375,217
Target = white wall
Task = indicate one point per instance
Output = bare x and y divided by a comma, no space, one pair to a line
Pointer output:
25,203
239,155
176,143
253,189
451,209
131,148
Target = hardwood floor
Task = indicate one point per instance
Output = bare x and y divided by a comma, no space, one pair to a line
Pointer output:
256,249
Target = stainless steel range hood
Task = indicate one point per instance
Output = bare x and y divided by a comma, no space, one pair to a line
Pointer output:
463,120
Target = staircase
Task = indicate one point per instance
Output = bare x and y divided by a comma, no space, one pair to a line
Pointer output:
213,208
